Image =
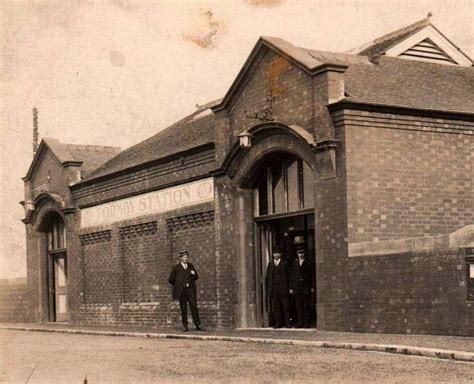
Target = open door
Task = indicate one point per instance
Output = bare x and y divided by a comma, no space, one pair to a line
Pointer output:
57,270
60,287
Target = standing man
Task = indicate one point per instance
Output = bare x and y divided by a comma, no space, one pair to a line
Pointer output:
302,283
183,278
277,289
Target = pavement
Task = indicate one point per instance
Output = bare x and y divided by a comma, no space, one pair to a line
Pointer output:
438,347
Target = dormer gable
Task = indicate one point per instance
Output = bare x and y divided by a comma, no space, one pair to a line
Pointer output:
430,45
420,41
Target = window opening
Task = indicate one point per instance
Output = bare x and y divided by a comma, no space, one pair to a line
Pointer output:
284,185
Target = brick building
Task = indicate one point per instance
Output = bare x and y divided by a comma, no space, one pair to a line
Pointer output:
365,157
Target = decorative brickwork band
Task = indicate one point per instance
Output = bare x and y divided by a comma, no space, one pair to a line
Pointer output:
144,229
190,221
95,237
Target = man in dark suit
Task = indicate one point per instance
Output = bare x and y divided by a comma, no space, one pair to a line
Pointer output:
277,290
302,283
183,278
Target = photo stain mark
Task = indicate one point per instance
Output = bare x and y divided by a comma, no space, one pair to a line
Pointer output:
117,59
265,3
277,67
207,33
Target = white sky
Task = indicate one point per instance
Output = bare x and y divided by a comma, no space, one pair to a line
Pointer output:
117,72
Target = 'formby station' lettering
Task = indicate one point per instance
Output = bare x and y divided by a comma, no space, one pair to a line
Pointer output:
154,202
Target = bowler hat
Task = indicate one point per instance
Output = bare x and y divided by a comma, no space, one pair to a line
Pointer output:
276,250
183,253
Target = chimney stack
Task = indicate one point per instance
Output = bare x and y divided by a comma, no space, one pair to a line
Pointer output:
35,131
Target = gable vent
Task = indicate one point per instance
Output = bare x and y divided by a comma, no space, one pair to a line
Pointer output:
426,50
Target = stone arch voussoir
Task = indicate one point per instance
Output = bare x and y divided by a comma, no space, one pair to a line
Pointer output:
247,162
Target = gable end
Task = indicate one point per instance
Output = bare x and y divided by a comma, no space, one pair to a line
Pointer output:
426,50
429,45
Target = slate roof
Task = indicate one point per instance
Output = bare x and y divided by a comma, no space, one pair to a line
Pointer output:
383,43
91,156
412,84
194,130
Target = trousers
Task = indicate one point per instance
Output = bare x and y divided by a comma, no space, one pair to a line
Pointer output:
280,309
302,310
189,296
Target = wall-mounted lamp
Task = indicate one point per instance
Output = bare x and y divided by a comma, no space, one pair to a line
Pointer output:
245,139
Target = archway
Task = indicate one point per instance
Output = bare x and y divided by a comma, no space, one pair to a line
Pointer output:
53,257
284,219
275,182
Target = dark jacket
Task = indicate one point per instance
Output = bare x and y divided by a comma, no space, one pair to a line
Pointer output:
277,278
179,277
302,278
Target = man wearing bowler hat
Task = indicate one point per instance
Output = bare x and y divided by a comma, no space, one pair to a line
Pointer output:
277,289
183,278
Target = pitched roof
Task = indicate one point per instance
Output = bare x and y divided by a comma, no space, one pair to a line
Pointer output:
412,84
395,43
194,130
383,43
89,156
386,81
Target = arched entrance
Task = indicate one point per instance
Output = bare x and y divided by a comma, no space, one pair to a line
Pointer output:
55,249
274,179
284,218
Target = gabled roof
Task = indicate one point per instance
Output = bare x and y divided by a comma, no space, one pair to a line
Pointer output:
192,131
412,84
418,41
387,81
381,44
309,60
89,157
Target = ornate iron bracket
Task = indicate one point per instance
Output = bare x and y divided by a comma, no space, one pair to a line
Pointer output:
264,115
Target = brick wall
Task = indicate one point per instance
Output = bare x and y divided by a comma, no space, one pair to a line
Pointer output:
423,292
49,176
195,233
331,241
97,264
407,176
140,259
126,268
15,302
292,88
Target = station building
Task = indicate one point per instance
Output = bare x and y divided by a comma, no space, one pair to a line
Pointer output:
365,157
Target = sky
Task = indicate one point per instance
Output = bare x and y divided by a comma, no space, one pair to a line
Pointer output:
117,72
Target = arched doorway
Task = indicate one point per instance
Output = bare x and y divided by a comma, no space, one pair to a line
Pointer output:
54,231
284,218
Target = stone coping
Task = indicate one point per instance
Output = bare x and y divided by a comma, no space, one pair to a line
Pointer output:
462,238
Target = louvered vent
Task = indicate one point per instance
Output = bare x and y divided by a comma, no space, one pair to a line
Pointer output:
426,50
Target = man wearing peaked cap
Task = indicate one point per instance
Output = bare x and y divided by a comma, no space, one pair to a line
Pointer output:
183,278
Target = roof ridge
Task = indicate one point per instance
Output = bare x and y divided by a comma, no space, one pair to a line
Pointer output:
399,33
420,23
338,56
186,121
82,147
